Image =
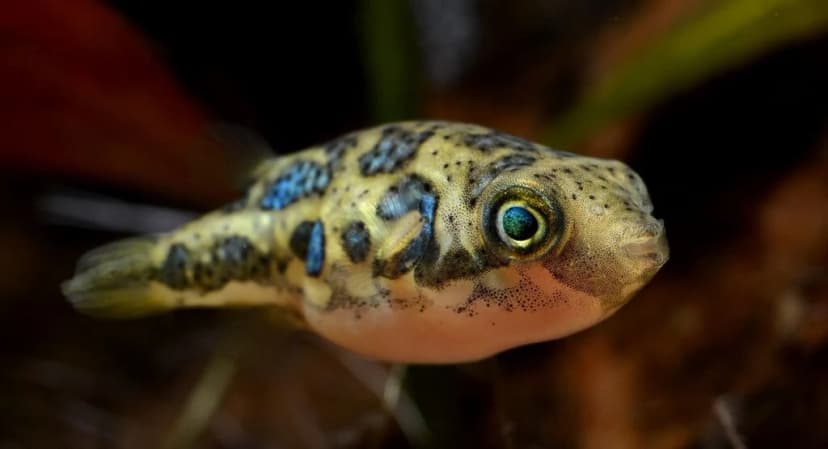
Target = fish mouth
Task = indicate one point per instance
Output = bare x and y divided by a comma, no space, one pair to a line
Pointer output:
650,248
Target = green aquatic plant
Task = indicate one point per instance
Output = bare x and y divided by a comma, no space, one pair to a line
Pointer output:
718,37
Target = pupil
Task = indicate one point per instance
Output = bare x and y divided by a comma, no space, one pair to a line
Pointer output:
519,223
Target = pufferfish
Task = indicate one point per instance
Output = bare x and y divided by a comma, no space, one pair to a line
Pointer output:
413,242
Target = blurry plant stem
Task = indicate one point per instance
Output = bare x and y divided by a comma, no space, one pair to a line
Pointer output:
393,386
389,58
387,386
721,36
208,392
399,405
728,423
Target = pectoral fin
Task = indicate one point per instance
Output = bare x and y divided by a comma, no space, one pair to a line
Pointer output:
402,248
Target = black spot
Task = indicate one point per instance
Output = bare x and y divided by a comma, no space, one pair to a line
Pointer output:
300,237
281,265
263,265
301,179
198,273
489,173
234,254
356,241
395,147
495,139
308,243
335,151
232,258
174,269
236,249
457,263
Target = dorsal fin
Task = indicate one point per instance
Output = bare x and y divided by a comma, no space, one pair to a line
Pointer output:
249,148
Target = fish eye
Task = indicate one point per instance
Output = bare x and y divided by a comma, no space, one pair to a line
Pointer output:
518,224
521,223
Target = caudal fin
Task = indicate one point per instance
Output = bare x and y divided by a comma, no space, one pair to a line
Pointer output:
113,281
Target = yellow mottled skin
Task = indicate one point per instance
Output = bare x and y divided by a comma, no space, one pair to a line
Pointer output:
413,242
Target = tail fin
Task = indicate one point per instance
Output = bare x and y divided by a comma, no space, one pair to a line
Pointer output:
113,281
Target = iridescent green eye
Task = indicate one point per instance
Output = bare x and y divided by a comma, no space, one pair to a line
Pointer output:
519,223
520,226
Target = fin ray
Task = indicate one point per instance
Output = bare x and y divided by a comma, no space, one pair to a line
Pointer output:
114,281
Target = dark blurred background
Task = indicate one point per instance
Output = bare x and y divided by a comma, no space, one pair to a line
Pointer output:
722,106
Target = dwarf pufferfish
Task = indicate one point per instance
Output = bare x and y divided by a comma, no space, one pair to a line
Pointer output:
415,242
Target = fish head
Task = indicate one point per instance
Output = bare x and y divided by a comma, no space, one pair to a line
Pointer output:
576,236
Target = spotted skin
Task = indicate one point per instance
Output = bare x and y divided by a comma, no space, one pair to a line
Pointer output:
335,151
300,238
478,182
403,197
174,268
301,179
315,257
395,147
356,241
494,140
389,241
400,263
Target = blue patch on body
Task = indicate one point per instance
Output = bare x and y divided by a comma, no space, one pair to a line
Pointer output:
428,206
356,241
299,180
394,148
315,257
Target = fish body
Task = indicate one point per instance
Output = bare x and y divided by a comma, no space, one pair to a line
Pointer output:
430,242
